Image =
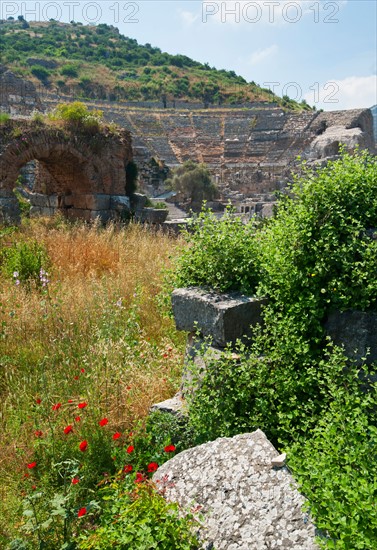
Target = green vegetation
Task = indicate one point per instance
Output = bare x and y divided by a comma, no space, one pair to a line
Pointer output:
85,349
315,256
4,117
123,68
221,254
193,182
87,352
77,116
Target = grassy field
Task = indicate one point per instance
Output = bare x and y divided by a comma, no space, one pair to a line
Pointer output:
93,332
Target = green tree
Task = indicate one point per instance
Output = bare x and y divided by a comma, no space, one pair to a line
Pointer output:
193,181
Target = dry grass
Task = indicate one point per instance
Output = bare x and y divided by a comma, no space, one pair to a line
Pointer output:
100,314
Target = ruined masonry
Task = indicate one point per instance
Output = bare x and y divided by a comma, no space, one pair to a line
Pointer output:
245,494
78,175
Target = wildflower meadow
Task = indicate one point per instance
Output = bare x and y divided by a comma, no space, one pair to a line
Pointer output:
86,347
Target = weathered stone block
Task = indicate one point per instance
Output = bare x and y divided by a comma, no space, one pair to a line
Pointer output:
38,199
138,201
120,203
90,201
9,210
245,502
357,332
223,317
41,211
151,215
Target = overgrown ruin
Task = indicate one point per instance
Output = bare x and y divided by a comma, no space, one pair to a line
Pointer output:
251,151
80,175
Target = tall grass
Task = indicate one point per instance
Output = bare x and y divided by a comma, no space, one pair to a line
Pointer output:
96,332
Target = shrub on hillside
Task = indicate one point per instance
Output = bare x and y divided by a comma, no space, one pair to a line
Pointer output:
77,116
221,254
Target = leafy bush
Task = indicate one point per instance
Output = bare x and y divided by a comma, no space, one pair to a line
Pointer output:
242,393
4,117
336,468
69,70
77,116
25,263
40,72
140,519
221,254
193,181
319,253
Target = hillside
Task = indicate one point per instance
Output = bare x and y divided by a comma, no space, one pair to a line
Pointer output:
97,62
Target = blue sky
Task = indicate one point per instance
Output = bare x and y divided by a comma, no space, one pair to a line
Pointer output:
320,50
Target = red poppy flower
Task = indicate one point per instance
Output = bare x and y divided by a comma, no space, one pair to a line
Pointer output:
75,480
128,468
68,429
38,433
78,418
169,449
130,449
31,465
83,445
56,406
75,377
70,400
117,435
82,405
139,477
103,422
26,475
82,370
38,401
33,487
81,512
152,467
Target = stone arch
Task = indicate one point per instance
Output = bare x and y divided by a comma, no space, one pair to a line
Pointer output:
74,171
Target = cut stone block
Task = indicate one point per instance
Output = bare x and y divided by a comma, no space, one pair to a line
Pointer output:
89,201
356,331
120,203
223,317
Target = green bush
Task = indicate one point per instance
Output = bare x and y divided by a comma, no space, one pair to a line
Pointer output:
77,116
40,72
221,254
25,263
69,70
139,519
336,468
4,117
318,253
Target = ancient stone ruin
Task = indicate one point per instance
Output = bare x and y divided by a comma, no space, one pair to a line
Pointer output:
244,493
78,175
241,486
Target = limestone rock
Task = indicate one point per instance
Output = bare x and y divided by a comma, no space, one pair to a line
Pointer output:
176,406
245,503
357,332
224,317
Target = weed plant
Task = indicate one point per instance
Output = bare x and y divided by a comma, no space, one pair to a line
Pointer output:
317,255
84,353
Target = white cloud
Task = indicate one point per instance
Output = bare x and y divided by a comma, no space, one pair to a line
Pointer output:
261,55
352,92
188,17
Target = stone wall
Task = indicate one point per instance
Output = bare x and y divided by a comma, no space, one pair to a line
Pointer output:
82,176
17,96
